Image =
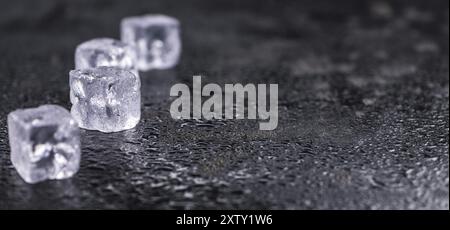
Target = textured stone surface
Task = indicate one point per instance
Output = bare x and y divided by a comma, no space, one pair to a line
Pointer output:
106,52
44,143
107,99
363,106
156,38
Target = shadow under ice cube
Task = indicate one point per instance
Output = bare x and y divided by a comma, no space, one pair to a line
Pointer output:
107,99
156,38
106,52
45,143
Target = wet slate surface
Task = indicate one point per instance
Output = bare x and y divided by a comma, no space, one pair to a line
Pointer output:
364,95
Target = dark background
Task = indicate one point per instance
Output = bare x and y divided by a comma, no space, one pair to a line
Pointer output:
364,96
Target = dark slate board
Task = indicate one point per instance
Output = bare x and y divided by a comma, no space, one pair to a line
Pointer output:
364,116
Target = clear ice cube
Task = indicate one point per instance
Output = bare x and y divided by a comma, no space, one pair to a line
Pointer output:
45,143
107,99
156,38
106,52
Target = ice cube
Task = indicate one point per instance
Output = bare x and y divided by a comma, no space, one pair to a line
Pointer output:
106,52
156,38
107,99
45,143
